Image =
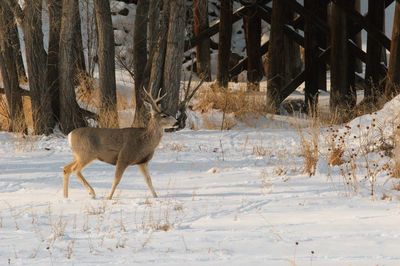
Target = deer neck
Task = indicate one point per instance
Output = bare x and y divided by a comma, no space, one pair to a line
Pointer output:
154,131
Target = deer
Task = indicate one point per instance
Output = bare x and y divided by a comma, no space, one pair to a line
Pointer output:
121,147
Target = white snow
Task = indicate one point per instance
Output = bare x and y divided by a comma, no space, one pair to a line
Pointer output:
226,198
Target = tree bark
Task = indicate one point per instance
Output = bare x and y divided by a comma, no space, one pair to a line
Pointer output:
393,75
140,58
78,46
55,12
153,25
158,56
70,116
224,43
106,54
9,71
43,119
14,38
203,65
174,56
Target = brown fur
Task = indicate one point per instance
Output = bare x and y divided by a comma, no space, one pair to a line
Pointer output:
119,147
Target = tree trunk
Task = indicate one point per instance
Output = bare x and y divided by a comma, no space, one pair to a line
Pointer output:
9,71
55,12
203,65
106,54
153,25
70,116
393,75
276,62
43,119
78,46
343,96
376,14
174,56
140,58
224,43
158,56
252,29
14,38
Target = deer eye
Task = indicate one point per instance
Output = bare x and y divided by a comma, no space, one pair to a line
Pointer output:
163,115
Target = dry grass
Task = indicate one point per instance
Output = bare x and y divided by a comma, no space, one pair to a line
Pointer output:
237,102
396,154
19,123
309,145
88,92
4,117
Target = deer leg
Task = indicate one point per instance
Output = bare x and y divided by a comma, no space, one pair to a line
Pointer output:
145,171
77,167
85,184
119,171
67,171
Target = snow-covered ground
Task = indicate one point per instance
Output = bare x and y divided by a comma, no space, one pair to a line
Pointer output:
226,198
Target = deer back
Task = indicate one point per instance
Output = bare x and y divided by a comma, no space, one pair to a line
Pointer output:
131,145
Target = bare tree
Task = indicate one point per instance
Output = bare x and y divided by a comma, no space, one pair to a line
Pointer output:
106,54
174,56
140,58
159,50
55,11
9,71
71,117
203,64
31,20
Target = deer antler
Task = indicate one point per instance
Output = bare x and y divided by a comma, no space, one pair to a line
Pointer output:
154,102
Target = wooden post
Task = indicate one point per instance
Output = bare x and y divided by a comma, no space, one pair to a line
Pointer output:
342,96
252,29
276,66
376,14
203,65
311,59
358,40
293,63
322,11
224,43
393,75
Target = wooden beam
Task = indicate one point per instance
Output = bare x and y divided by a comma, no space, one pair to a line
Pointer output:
367,25
342,95
242,65
311,71
224,43
252,30
276,65
376,16
266,13
292,86
214,28
393,75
